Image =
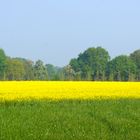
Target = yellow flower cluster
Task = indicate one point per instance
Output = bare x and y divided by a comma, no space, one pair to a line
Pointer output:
68,90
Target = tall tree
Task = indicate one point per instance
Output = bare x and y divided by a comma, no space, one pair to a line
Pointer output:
121,68
40,71
15,69
54,73
69,73
91,64
2,64
135,56
28,67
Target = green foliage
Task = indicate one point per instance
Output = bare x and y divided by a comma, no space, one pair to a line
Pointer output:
40,71
69,73
121,68
54,73
51,71
2,64
70,120
28,67
15,69
91,64
135,56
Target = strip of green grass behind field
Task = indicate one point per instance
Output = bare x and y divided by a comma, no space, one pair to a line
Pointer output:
70,120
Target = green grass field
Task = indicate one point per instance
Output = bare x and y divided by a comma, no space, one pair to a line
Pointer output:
70,120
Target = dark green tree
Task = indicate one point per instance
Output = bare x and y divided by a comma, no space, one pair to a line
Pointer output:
121,68
91,64
2,64
135,56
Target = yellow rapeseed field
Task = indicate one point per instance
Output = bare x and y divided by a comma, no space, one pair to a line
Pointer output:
68,90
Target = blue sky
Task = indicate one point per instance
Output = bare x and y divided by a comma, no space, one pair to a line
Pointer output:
58,30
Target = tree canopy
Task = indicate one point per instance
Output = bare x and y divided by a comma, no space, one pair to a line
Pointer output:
2,64
121,68
94,64
91,64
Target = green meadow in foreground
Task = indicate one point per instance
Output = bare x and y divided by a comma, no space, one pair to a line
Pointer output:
70,120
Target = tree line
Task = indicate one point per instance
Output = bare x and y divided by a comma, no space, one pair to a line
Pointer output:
94,64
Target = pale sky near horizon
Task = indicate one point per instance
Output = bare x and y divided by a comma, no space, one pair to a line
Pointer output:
57,30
